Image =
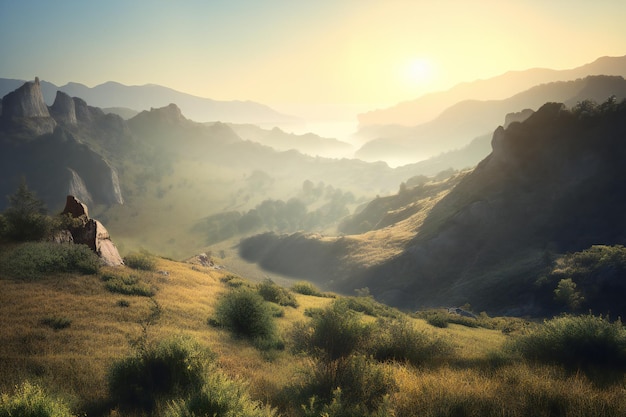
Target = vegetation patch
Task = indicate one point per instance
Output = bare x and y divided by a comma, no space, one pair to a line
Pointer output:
127,284
306,288
56,323
276,294
245,313
30,400
588,343
140,260
173,368
34,260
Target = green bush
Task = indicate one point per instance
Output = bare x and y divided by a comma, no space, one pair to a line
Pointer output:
33,260
276,294
333,333
397,339
585,343
368,306
140,260
25,218
306,288
219,396
244,312
350,386
31,401
173,368
127,285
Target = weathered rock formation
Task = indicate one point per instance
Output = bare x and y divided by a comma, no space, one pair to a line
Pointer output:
63,109
91,232
27,103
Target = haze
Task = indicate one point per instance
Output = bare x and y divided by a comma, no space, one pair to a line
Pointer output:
301,56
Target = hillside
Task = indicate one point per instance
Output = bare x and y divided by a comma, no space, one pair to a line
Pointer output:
83,345
552,184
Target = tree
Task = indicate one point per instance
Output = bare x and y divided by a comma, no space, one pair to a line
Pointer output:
566,293
26,217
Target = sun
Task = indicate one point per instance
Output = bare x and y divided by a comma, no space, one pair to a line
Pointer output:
419,71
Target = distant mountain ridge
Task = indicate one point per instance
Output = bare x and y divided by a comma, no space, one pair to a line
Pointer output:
113,94
460,123
427,107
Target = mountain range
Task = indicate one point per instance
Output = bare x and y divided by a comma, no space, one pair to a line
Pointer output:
138,98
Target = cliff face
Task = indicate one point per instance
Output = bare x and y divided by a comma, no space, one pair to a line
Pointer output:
63,109
65,149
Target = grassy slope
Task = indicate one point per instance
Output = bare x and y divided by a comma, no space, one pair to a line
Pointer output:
73,361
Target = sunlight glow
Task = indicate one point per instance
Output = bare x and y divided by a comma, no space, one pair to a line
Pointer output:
419,72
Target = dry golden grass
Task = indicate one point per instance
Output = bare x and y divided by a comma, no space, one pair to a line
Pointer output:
74,361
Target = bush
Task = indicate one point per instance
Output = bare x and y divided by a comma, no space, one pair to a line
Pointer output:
33,260
25,218
276,294
143,261
244,312
577,342
398,340
31,401
333,333
219,396
127,285
350,386
175,367
368,306
306,288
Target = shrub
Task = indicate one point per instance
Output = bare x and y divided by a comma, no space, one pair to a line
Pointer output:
31,401
350,386
368,306
174,367
33,260
219,396
276,294
140,260
127,285
585,342
398,340
25,218
244,312
333,333
306,288
438,319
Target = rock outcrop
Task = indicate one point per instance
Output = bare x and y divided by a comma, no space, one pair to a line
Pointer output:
63,109
91,232
25,108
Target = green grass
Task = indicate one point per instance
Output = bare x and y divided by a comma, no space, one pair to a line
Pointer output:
29,400
127,284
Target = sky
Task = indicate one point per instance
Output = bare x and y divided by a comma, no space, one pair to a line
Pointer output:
278,52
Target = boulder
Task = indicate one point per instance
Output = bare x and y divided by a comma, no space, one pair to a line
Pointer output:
91,232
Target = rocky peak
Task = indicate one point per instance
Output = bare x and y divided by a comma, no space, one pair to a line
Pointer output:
24,103
63,109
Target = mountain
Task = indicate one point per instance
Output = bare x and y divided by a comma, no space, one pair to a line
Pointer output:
454,127
429,106
552,184
112,94
309,143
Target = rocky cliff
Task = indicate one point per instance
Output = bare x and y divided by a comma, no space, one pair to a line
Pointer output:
63,109
21,106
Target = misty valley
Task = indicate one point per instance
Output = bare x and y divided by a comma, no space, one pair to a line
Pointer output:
460,254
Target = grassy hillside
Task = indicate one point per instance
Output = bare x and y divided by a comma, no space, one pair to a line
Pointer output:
65,333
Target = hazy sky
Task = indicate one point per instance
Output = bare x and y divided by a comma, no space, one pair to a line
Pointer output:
290,51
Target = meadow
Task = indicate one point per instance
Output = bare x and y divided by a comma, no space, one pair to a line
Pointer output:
66,338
